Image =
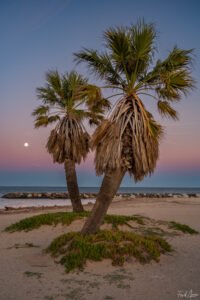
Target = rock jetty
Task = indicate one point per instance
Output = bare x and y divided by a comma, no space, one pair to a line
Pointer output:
19,195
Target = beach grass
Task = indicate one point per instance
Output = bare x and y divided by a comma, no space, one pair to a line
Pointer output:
142,238
182,227
66,218
74,249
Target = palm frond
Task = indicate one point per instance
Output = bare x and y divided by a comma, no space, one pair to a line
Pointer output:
143,47
54,82
117,40
41,121
173,84
40,110
44,120
177,59
47,95
171,77
100,64
166,110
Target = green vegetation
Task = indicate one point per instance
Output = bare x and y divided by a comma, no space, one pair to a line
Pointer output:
33,274
66,218
26,245
27,224
75,249
182,227
144,240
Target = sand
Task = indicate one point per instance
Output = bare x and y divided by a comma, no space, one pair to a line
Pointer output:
29,273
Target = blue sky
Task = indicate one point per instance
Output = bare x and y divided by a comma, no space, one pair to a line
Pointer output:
40,35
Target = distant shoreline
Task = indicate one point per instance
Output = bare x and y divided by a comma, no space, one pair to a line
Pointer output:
47,195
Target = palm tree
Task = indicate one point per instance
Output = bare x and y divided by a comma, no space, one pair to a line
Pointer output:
128,141
68,100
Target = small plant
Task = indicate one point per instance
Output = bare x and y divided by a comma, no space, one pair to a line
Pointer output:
26,245
182,227
117,220
75,249
33,274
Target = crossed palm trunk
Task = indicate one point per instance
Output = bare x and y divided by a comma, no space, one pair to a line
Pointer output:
109,187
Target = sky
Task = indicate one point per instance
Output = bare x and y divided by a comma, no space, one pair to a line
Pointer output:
41,35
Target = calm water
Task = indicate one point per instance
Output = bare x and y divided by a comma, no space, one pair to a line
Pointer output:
60,202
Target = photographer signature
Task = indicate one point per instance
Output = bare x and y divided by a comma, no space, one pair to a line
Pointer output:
187,294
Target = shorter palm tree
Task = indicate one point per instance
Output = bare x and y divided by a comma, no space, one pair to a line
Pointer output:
68,100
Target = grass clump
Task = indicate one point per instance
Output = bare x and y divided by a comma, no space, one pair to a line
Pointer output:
66,218
27,224
75,249
117,220
33,274
182,227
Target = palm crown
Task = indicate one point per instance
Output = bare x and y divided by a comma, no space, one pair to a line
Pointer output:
127,65
68,100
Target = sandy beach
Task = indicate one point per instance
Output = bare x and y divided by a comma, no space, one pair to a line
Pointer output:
29,273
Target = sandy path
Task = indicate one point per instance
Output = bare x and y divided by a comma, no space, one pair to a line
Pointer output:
29,273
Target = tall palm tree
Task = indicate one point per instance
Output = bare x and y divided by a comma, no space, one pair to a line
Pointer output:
129,139
68,100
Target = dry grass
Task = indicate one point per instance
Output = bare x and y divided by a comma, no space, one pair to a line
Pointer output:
129,139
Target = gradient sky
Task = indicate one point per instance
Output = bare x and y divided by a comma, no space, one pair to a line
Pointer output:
39,35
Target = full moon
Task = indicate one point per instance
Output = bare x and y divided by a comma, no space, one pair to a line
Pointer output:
26,144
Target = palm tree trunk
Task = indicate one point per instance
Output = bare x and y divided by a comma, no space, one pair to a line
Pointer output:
72,185
109,187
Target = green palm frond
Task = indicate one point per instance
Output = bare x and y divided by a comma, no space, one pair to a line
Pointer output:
142,47
40,110
74,82
177,59
47,95
53,119
54,82
117,40
171,77
130,137
41,121
44,121
143,40
91,93
173,84
129,53
166,110
79,114
100,64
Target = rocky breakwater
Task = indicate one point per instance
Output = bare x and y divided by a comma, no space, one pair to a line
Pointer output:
19,195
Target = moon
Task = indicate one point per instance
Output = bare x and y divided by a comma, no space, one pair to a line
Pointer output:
26,144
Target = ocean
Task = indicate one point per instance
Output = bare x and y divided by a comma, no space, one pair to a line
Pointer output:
62,202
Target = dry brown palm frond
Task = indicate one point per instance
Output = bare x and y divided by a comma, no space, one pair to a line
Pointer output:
128,139
69,140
